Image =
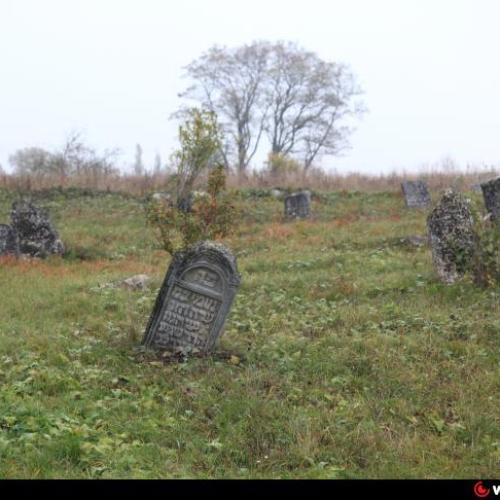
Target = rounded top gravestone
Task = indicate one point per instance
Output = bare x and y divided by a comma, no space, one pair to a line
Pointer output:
194,300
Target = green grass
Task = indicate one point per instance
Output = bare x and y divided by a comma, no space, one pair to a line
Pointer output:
354,361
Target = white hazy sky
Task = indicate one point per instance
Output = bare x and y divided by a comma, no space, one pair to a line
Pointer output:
113,68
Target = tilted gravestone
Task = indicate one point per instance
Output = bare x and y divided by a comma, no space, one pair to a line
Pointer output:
297,205
416,194
491,195
194,300
451,236
37,236
9,244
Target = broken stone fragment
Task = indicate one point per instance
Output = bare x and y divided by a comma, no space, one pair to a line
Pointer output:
36,235
137,282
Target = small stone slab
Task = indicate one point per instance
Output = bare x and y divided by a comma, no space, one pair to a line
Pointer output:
137,282
298,205
37,236
194,300
491,195
452,236
162,198
9,243
416,194
415,241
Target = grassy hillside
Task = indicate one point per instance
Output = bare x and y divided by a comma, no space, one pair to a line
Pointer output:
343,357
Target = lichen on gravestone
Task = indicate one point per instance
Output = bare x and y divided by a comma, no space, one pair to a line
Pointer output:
298,205
194,299
416,194
9,243
452,236
491,195
37,236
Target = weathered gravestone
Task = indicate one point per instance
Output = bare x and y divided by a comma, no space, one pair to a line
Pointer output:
451,236
162,198
185,203
37,236
297,205
194,299
416,194
491,195
276,193
9,244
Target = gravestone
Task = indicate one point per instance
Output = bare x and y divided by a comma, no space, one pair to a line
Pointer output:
276,193
297,205
491,195
162,198
9,244
416,194
451,236
37,236
185,203
194,299
137,282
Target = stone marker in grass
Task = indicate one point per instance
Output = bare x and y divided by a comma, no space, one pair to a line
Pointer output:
491,195
297,205
451,236
37,236
416,194
194,300
9,244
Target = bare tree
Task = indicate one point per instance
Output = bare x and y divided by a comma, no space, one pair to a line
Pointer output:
309,101
70,159
157,164
229,83
138,164
74,158
302,103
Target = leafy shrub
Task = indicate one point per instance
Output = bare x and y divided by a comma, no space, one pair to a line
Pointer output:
281,165
207,216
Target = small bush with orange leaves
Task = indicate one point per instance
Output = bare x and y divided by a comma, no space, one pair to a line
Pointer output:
211,216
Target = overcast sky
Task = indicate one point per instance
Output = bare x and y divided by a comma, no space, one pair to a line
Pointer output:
430,71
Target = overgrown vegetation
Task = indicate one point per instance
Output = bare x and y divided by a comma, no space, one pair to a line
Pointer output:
317,179
343,356
187,219
486,262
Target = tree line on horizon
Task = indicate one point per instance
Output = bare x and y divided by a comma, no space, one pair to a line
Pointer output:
275,91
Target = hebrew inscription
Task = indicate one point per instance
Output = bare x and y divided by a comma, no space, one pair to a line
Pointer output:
187,319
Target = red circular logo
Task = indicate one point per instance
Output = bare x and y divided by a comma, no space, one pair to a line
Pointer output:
480,491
